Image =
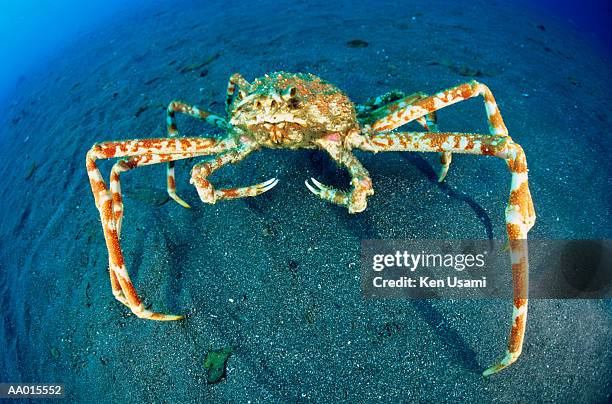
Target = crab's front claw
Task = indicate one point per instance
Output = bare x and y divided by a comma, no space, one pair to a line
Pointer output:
355,200
203,186
252,190
327,193
362,188
208,194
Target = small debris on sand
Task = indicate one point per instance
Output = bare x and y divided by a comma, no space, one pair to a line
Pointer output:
151,81
31,169
460,69
357,43
199,65
142,109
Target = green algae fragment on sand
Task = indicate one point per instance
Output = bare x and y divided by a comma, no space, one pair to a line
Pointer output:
215,364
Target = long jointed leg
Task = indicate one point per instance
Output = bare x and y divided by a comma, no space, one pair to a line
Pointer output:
115,189
356,199
430,122
110,205
406,110
129,164
235,81
208,194
194,112
520,214
380,106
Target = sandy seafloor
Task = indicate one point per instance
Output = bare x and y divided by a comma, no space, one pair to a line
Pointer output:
277,276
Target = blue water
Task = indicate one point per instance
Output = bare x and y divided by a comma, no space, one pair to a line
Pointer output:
31,31
593,17
34,31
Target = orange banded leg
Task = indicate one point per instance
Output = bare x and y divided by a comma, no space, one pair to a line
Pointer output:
206,191
141,152
403,111
115,188
356,199
171,185
428,121
128,164
194,112
520,214
235,81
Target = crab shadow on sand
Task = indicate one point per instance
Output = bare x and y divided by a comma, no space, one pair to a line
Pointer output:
422,165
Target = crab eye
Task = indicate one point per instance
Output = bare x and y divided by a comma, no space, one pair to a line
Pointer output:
258,104
273,104
289,93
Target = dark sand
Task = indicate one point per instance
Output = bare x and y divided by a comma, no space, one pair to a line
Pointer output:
277,276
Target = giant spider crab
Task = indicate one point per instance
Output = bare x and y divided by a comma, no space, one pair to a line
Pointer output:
300,111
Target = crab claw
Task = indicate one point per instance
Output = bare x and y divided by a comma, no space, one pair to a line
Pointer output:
355,200
253,190
328,193
260,188
204,188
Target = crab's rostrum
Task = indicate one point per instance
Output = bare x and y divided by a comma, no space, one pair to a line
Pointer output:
301,111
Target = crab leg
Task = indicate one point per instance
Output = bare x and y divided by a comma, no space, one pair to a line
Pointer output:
367,114
403,111
355,200
235,81
128,164
208,194
194,112
430,122
141,152
420,107
520,214
380,101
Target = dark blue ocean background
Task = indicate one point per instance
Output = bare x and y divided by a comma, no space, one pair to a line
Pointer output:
34,31
277,277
